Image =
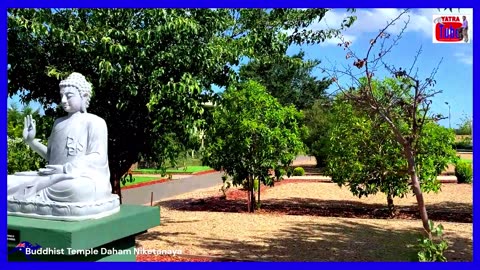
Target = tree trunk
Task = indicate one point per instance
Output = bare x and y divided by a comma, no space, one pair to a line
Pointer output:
418,192
116,188
117,170
391,206
249,197
258,194
248,201
252,192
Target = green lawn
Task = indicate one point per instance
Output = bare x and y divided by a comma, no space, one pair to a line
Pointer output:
187,161
188,169
140,179
465,160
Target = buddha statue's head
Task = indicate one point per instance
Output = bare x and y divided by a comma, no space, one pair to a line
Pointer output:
75,93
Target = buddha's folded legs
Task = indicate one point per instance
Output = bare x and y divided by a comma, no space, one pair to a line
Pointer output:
24,187
15,183
78,198
79,189
56,188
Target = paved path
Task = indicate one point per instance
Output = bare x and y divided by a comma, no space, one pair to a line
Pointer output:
141,195
174,176
304,160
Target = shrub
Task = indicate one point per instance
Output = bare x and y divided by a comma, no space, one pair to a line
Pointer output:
298,171
22,158
226,185
432,248
465,144
464,172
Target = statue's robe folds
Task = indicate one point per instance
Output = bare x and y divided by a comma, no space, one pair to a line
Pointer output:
79,143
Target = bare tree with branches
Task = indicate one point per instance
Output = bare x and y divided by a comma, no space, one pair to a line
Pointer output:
410,106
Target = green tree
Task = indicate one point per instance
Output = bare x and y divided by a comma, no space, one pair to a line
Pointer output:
20,157
365,156
465,127
252,133
15,121
288,78
150,68
405,101
318,121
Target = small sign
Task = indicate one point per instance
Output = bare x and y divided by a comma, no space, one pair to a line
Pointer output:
13,236
452,28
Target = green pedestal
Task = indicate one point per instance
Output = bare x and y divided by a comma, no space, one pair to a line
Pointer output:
107,239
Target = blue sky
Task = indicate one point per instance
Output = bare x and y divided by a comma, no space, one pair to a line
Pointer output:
455,76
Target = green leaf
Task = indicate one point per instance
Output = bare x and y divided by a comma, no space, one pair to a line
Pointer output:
151,68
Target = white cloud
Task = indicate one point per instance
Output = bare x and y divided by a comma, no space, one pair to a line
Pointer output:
336,41
371,21
464,57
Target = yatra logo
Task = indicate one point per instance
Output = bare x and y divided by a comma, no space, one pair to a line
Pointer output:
25,248
452,28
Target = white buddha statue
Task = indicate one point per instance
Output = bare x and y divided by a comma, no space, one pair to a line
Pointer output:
75,185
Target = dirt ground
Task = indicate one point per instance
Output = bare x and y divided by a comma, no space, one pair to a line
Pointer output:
276,236
466,155
451,196
308,163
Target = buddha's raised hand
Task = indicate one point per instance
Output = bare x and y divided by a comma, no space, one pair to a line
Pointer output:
29,129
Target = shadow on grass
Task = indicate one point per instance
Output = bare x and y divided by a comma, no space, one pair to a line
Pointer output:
444,211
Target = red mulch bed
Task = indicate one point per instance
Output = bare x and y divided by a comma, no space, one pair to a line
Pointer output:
177,173
240,194
147,183
236,201
204,172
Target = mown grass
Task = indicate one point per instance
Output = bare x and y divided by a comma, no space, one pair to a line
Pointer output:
139,179
188,169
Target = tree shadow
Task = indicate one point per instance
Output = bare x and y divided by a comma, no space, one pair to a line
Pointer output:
320,240
155,235
349,241
344,242
164,219
444,211
311,170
